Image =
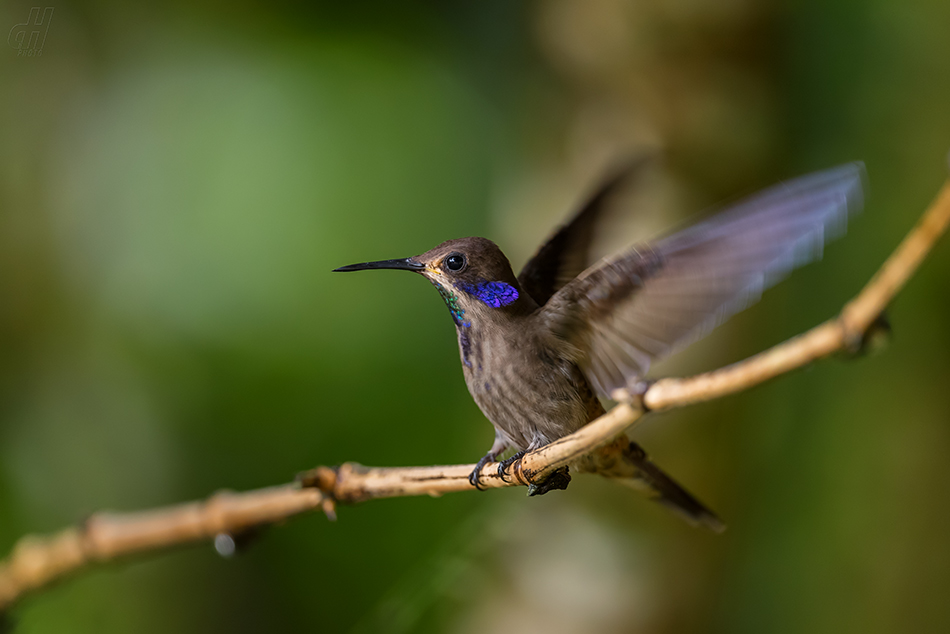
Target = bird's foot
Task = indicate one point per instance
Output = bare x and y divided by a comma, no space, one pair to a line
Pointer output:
475,476
556,481
504,464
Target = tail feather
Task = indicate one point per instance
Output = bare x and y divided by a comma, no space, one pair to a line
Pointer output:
668,492
627,463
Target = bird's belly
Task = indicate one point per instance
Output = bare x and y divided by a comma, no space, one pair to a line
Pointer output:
532,397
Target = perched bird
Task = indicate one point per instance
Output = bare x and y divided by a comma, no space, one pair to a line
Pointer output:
539,349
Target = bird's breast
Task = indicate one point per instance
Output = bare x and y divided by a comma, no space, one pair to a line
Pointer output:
525,386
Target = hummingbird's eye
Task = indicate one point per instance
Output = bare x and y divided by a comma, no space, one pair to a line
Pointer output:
455,262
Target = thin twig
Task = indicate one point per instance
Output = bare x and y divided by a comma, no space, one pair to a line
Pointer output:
38,561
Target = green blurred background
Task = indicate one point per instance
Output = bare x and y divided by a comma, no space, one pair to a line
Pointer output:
177,181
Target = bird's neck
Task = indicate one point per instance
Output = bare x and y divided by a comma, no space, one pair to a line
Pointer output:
484,302
454,304
483,310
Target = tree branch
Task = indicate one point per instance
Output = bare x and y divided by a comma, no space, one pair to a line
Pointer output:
38,561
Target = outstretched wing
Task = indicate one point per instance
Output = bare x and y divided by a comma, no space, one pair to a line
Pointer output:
566,254
625,312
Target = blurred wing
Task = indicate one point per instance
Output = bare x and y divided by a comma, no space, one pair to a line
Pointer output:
566,254
623,313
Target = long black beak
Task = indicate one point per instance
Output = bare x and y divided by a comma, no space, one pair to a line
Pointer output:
406,264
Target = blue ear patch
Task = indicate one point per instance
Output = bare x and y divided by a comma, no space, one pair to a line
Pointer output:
495,294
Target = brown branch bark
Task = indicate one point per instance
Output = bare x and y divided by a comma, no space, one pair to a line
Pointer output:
38,561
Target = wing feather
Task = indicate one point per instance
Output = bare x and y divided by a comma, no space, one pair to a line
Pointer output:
566,253
625,312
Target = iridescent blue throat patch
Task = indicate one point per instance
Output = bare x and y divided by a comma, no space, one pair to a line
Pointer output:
495,294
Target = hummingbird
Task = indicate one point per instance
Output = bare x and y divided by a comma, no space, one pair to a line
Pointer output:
542,350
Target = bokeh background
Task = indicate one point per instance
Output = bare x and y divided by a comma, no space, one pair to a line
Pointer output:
177,181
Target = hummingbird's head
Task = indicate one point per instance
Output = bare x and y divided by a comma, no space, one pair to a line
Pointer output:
472,275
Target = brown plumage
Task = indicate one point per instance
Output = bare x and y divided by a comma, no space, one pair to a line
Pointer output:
538,349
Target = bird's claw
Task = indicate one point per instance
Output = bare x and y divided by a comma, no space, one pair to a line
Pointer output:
474,480
474,477
504,464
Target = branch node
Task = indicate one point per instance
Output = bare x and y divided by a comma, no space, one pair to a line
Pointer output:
557,481
323,478
861,342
